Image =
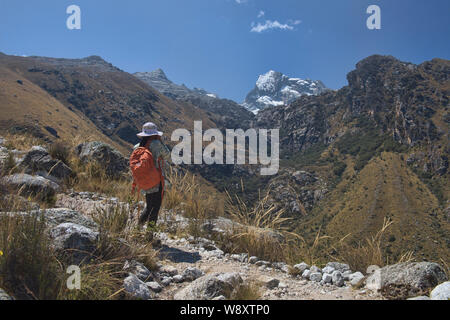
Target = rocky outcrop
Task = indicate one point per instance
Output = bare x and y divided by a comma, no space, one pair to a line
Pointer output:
405,280
38,161
114,163
210,287
137,288
29,185
76,241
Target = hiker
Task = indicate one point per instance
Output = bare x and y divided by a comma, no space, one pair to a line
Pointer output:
147,166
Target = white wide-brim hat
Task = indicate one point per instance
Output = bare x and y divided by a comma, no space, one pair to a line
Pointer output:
149,129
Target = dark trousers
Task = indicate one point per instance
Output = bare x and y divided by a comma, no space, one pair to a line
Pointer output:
151,211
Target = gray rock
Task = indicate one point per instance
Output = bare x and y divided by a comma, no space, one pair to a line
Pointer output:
138,269
405,280
137,288
315,276
356,278
178,278
75,240
328,270
281,266
112,160
441,292
346,275
191,274
38,161
301,267
419,298
219,298
56,216
166,281
272,283
262,263
210,287
338,266
168,271
27,185
243,257
337,278
315,269
253,260
154,286
4,296
327,278
306,274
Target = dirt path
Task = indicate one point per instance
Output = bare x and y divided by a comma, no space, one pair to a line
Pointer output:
182,255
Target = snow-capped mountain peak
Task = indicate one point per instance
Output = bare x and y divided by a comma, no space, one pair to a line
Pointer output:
274,88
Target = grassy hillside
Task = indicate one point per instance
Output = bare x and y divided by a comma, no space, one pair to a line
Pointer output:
385,188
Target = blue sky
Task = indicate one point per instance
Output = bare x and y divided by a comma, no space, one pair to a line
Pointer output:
210,43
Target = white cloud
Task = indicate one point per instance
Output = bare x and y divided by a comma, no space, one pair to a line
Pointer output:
241,1
269,24
261,14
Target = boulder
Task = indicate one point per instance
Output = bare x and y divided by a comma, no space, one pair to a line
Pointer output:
306,274
154,286
301,267
138,269
210,287
315,269
269,283
191,274
28,185
356,278
168,271
137,288
38,161
315,276
4,296
56,216
178,278
327,278
328,270
371,269
342,267
253,260
77,241
441,292
404,280
113,161
337,278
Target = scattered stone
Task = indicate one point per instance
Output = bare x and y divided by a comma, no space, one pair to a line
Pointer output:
154,286
346,275
191,274
262,263
338,266
301,267
243,257
166,281
168,270
328,270
315,269
281,266
219,298
441,292
178,278
137,288
315,276
356,278
137,269
271,283
75,240
253,260
337,278
306,274
210,287
327,278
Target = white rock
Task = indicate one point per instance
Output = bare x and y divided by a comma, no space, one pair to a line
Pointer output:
327,278
337,278
137,288
328,270
356,278
301,267
315,276
154,286
441,292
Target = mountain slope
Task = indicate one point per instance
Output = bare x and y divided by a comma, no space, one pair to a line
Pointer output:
26,107
226,113
275,89
115,101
